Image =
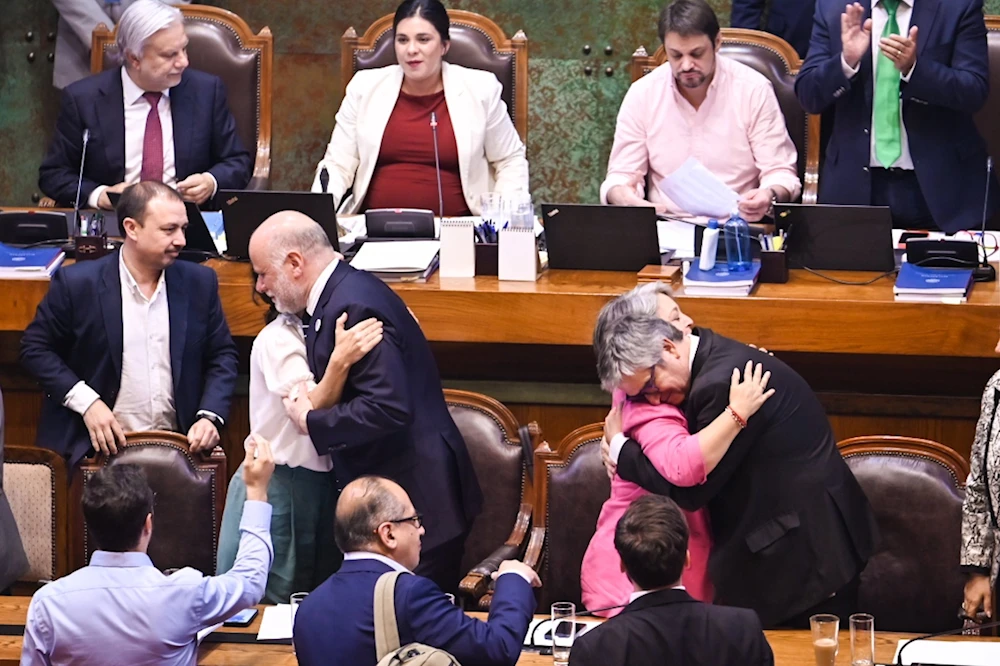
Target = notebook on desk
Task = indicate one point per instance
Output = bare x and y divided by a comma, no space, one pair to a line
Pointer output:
603,238
838,238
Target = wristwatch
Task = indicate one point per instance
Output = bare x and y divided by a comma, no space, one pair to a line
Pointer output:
214,419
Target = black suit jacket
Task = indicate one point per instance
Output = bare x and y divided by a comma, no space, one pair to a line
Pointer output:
392,419
670,627
790,523
205,137
789,19
77,335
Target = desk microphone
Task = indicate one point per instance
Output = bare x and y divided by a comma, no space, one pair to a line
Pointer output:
324,179
985,271
437,163
950,632
79,184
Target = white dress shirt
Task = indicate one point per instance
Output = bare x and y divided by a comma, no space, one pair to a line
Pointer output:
317,290
277,365
879,18
638,594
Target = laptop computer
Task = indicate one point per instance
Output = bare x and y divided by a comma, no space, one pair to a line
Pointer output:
837,238
602,238
244,210
198,245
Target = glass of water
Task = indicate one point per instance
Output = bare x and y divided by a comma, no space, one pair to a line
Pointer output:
522,211
563,631
495,210
862,639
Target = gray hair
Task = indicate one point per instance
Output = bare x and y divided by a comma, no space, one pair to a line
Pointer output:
140,21
628,343
309,239
354,527
640,301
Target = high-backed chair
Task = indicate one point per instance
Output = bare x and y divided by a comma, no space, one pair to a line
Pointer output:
221,43
190,493
571,485
35,482
777,60
476,42
494,441
916,488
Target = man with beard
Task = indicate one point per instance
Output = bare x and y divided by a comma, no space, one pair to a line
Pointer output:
706,106
391,419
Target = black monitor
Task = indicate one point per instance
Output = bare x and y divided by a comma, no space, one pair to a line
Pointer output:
29,227
604,238
244,210
846,238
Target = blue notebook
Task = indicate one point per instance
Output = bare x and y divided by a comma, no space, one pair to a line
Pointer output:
28,259
721,276
918,280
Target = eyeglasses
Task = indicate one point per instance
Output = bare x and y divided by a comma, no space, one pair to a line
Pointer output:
417,520
648,387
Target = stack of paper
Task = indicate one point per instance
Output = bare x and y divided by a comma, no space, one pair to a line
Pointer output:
720,281
398,261
37,263
932,285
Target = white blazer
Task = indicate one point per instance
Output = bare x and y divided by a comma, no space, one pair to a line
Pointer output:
491,156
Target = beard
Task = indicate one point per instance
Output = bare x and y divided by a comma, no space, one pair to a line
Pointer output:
691,80
284,297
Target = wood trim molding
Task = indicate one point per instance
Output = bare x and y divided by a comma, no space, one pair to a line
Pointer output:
907,446
60,501
517,46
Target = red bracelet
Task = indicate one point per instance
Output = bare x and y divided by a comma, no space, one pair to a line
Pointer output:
740,421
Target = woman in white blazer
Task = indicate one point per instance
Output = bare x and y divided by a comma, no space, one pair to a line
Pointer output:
379,144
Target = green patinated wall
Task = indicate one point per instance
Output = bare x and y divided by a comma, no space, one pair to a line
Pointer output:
571,116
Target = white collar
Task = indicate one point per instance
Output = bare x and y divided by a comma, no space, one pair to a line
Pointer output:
695,340
319,285
132,93
129,280
365,555
641,593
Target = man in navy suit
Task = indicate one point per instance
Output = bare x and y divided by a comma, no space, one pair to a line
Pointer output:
132,341
392,419
902,80
789,19
151,119
379,530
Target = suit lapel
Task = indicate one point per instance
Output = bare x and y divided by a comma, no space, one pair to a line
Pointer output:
111,117
339,273
461,117
182,112
177,302
111,309
867,69
706,340
924,15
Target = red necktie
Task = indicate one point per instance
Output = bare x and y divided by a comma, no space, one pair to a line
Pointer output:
152,142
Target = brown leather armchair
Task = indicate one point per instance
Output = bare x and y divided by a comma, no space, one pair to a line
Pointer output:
916,488
35,482
494,441
221,43
571,485
476,42
777,60
190,493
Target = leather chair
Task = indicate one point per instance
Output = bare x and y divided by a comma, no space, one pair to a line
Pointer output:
777,60
916,488
35,482
221,43
476,42
571,485
190,493
497,450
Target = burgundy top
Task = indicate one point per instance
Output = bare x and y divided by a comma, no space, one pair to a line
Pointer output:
404,174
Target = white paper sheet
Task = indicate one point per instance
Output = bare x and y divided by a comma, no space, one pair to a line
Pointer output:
396,256
698,191
968,652
676,236
276,624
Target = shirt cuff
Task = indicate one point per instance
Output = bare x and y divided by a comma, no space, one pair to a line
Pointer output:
215,183
95,195
849,71
519,573
256,515
617,442
80,397
905,78
205,412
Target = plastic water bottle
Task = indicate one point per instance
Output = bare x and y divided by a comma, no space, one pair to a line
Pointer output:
709,246
737,244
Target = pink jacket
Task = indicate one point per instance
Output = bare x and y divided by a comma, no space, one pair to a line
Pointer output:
661,431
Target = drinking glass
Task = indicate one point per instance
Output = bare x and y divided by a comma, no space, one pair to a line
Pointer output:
494,210
522,211
825,630
563,631
862,639
294,601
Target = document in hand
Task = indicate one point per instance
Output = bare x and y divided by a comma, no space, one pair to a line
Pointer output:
405,260
697,191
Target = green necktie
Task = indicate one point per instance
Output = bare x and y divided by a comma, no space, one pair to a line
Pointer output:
888,140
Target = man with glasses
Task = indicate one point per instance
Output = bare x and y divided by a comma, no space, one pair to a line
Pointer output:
379,531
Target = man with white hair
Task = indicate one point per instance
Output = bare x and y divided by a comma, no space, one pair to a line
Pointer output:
151,119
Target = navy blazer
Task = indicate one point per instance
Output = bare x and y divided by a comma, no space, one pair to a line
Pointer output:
335,624
789,19
670,627
948,85
77,335
392,419
790,523
205,137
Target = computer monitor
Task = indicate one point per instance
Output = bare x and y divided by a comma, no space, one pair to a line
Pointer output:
845,238
26,227
604,238
244,210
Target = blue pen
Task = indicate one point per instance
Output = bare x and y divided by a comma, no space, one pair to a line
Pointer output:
505,225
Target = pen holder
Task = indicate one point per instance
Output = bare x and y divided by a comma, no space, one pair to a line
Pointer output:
773,266
90,247
487,258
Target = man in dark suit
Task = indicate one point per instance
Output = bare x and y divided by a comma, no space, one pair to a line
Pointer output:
379,531
132,341
902,80
151,119
792,528
662,623
789,19
392,419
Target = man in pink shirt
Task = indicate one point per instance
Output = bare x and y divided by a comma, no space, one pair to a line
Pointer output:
706,106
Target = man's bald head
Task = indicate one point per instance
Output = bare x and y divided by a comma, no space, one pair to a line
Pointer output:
290,231
288,253
364,504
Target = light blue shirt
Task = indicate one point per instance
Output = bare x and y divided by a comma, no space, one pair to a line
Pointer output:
122,610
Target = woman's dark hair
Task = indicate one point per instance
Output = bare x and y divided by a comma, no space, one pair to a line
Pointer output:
116,501
272,312
429,10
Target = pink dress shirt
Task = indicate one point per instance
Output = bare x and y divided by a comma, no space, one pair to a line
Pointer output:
662,432
738,133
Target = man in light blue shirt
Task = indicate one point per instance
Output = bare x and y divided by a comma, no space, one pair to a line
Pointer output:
121,609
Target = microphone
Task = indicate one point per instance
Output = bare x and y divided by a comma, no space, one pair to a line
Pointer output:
985,271
437,163
950,632
324,179
79,183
